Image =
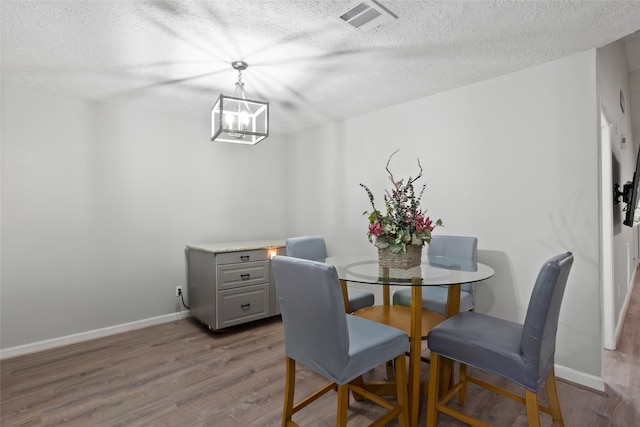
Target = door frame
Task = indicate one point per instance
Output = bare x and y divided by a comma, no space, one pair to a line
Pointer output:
608,324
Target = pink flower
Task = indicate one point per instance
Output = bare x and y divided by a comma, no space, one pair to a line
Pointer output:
429,224
375,229
423,223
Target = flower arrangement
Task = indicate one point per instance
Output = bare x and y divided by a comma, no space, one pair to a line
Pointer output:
404,223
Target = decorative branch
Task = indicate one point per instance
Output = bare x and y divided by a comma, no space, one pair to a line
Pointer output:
411,181
390,174
370,196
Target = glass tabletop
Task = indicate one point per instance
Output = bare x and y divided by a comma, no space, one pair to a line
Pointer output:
434,270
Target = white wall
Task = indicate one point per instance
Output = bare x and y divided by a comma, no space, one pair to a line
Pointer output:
633,58
634,103
512,160
99,201
613,77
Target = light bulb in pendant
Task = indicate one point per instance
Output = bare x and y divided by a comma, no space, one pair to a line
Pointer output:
239,120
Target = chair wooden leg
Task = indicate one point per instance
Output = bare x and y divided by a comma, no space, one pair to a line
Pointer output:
343,405
391,371
345,295
554,402
434,387
446,366
402,394
400,410
462,395
359,382
290,383
531,401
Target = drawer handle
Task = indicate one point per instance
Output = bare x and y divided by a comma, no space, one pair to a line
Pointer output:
245,276
245,307
245,257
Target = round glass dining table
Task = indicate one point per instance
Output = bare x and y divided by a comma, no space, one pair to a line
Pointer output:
433,271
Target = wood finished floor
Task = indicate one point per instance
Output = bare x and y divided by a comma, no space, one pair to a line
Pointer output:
621,370
181,374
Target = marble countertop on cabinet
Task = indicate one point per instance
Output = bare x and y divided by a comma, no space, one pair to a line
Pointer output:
246,245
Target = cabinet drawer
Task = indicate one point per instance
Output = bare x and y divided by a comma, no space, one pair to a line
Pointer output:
238,275
241,305
242,256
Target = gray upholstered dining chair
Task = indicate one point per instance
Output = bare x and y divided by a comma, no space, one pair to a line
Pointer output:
314,248
434,298
521,353
337,345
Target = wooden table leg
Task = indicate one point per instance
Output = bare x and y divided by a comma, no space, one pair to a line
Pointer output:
446,365
345,298
453,301
386,300
415,350
386,294
345,295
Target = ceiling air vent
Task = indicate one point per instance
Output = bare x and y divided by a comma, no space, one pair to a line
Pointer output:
366,15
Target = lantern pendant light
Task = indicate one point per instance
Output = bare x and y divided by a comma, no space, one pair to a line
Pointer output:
237,119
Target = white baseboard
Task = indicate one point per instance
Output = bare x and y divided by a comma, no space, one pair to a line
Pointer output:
89,335
577,377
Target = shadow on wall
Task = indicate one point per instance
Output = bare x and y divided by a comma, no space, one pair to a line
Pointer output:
497,296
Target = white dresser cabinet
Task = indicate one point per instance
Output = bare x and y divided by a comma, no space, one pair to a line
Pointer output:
231,283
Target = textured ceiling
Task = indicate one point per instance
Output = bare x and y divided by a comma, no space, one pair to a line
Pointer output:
175,56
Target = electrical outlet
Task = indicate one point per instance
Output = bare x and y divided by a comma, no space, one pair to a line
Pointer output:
178,290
